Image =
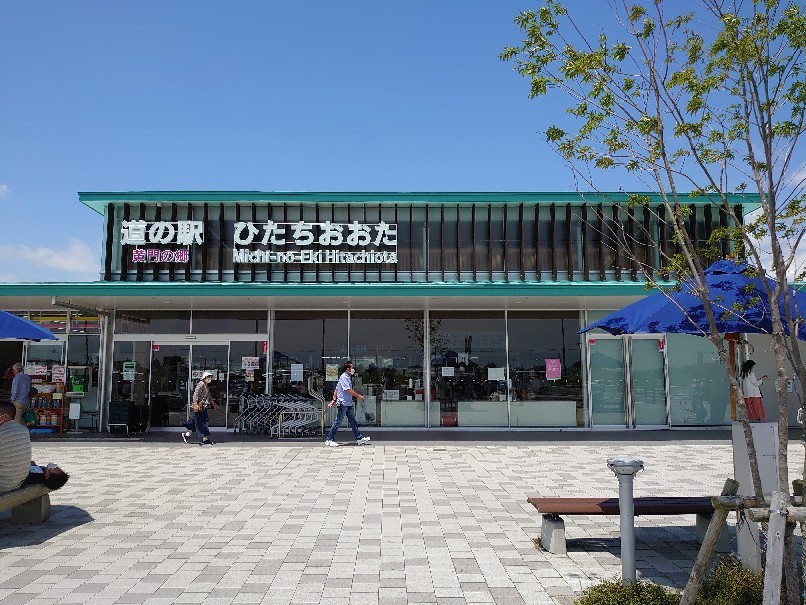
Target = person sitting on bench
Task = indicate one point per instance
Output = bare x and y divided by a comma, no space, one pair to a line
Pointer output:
15,450
51,476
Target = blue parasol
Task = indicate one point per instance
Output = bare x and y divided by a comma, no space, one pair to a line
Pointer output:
16,328
739,301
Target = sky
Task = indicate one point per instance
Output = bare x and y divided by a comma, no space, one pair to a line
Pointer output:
355,95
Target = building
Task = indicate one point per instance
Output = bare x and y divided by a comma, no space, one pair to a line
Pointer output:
459,310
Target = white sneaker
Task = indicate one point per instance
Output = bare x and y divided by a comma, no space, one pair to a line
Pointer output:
362,441
330,443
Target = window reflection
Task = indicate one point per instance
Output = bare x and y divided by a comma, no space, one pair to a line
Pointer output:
545,364
82,373
314,339
129,389
84,323
230,322
54,321
698,388
152,322
468,369
389,369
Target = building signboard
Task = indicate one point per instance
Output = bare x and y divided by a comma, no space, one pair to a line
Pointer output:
315,243
300,242
142,233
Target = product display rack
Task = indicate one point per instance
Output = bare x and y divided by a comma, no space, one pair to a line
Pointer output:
49,410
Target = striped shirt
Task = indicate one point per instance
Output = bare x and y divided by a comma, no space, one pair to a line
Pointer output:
15,455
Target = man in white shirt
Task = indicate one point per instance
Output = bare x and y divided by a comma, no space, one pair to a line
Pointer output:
344,394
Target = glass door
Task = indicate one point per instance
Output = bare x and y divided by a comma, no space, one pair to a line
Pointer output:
648,381
130,396
169,397
606,381
627,381
247,374
213,358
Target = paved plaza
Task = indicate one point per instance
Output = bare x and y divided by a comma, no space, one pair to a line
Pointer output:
394,522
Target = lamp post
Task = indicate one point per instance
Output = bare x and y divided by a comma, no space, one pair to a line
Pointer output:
625,469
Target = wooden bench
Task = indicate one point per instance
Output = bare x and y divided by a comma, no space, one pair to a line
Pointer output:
552,531
29,504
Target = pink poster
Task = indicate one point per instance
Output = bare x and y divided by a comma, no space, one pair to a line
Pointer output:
553,369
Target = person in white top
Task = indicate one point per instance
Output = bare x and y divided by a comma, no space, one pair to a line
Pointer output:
751,389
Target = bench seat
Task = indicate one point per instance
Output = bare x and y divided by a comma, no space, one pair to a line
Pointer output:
552,531
29,504
681,505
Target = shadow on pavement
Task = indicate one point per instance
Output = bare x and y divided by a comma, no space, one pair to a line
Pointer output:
62,518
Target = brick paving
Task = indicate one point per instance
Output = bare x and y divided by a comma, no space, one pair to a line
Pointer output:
390,523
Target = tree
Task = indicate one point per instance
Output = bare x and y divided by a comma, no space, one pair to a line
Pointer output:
705,104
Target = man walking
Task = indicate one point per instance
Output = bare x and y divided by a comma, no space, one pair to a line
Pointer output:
20,392
344,394
202,401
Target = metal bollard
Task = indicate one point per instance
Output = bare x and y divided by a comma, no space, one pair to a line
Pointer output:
625,469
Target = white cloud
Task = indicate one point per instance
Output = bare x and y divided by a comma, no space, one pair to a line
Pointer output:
4,190
8,277
51,264
798,176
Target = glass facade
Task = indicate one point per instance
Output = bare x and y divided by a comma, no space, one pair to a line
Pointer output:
389,369
607,381
244,378
513,369
83,371
698,387
468,369
230,322
315,340
545,364
129,388
152,322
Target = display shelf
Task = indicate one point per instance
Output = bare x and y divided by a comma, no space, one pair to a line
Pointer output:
48,407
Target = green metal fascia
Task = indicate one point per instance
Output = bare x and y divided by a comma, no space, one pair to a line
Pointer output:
99,200
353,290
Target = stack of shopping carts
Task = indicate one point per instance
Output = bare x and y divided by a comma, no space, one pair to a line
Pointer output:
279,416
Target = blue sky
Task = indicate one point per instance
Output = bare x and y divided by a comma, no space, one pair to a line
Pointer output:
292,96
356,95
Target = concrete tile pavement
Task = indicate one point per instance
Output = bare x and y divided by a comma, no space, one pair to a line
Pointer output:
393,522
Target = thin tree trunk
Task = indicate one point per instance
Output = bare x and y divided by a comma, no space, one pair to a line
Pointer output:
715,528
791,567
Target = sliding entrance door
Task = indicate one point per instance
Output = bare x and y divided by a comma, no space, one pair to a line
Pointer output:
627,381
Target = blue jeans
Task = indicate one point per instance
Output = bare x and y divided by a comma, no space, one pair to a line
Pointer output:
201,420
348,410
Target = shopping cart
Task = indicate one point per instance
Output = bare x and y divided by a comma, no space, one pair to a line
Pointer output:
281,415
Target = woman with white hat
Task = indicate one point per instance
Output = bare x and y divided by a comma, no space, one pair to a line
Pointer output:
202,401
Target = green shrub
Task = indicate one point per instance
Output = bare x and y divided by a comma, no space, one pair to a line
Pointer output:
731,584
612,592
